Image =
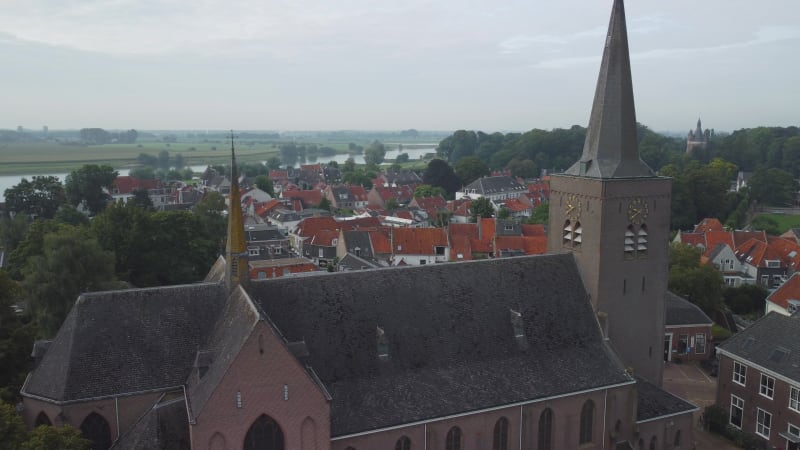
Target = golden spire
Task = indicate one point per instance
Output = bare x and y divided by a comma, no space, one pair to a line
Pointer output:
236,268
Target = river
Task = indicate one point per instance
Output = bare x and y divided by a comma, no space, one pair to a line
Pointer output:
8,181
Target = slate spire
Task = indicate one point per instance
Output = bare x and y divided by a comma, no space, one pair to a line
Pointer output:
611,149
236,268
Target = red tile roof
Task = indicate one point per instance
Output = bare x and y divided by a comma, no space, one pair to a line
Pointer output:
312,225
790,290
717,237
531,245
515,205
278,175
756,253
418,241
402,194
693,239
460,250
469,230
533,229
380,241
126,184
740,237
488,228
788,250
359,193
263,209
324,237
310,199
708,224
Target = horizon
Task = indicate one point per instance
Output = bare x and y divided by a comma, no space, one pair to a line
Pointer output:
365,65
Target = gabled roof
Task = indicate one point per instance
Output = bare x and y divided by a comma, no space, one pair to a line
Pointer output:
790,290
469,230
757,253
788,250
693,239
460,248
403,194
495,185
515,205
533,229
533,245
708,224
263,209
654,402
771,342
120,342
126,184
418,241
323,238
358,240
680,311
718,237
309,198
310,226
380,241
740,237
451,342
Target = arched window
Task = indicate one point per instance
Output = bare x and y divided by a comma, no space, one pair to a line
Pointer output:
587,417
641,444
96,429
677,442
653,443
546,430
453,441
404,443
264,434
42,419
501,434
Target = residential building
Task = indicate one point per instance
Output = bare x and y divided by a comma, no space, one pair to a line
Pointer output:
786,299
687,331
759,384
496,189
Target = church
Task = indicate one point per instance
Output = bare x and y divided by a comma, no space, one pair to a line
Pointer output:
558,351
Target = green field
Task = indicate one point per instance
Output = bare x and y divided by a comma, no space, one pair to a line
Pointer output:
784,221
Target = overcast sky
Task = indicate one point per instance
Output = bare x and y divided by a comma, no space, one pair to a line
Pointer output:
490,65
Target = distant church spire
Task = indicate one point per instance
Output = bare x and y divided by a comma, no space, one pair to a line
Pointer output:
611,149
236,270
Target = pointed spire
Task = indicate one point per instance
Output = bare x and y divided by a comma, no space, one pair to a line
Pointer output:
699,130
611,149
236,270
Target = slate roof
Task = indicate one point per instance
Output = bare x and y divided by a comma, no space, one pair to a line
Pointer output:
358,240
770,342
654,402
451,343
495,185
163,427
120,342
680,311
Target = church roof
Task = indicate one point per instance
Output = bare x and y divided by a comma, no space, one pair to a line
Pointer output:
654,402
611,149
121,342
451,343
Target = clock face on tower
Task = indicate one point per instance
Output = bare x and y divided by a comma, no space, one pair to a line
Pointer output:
637,211
572,208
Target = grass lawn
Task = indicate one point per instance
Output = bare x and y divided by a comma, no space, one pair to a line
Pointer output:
784,221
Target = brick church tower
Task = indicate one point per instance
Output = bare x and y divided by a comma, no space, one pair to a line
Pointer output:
613,213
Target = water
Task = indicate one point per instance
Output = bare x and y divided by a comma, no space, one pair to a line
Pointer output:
8,181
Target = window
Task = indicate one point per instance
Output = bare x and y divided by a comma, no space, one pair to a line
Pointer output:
546,430
264,434
737,410
767,387
700,344
683,343
453,441
677,441
793,430
253,251
572,236
404,443
96,429
422,262
739,373
653,443
763,423
321,254
440,251
501,434
794,398
587,416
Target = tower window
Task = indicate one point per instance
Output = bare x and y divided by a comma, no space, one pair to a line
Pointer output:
572,235
636,242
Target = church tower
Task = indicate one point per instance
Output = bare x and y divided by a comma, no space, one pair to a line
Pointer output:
613,213
236,267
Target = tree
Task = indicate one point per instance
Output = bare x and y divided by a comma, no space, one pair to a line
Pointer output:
45,437
439,173
31,245
144,173
12,231
178,162
163,160
392,204
12,428
40,197
503,213
745,299
470,169
16,341
71,262
141,199
772,187
402,158
273,163
541,214
86,185
524,168
70,216
265,184
375,153
701,284
426,190
324,204
767,224
348,166
481,208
